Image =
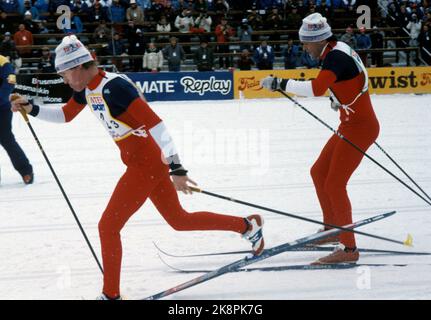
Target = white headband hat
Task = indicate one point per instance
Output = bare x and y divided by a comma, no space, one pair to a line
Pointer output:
314,28
71,53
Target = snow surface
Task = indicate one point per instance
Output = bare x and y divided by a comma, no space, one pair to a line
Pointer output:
254,150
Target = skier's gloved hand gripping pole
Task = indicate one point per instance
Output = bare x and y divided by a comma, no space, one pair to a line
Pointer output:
23,111
276,84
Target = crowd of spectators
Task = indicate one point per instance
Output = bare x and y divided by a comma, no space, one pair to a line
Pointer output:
120,28
415,17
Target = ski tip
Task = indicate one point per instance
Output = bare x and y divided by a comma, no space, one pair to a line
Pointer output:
409,241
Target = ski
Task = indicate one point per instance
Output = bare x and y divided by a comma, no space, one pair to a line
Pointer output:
337,266
299,249
267,253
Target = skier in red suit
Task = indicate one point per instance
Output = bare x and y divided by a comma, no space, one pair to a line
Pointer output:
146,149
344,74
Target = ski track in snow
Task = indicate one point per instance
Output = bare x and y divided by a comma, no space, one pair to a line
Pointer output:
259,151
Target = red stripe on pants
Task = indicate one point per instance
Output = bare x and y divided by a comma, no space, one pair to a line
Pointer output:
132,190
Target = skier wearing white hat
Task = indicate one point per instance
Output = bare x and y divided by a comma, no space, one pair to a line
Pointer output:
344,74
143,141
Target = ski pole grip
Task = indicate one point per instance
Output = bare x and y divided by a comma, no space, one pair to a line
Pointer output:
15,96
195,189
24,114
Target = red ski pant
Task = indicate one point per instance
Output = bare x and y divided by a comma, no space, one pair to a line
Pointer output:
132,190
333,169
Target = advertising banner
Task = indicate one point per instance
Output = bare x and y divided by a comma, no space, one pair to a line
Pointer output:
381,80
177,86
43,88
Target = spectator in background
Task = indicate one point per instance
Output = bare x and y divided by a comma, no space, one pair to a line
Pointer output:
42,6
97,13
174,54
6,25
79,7
102,40
183,23
266,4
54,4
30,25
76,25
307,61
135,13
425,43
363,42
108,3
117,48
163,26
137,46
46,62
201,6
244,62
10,6
8,48
204,56
427,17
33,10
23,37
290,55
169,13
349,38
116,45
294,19
349,5
102,27
223,33
414,27
264,56
336,4
244,33
376,43
204,21
402,16
255,20
117,12
221,6
274,22
153,59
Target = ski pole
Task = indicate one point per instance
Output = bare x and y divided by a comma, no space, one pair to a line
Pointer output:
402,170
24,114
355,146
408,242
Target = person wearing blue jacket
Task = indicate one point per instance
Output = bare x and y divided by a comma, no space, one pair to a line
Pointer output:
7,139
290,55
29,7
76,25
117,12
10,6
41,5
363,42
264,56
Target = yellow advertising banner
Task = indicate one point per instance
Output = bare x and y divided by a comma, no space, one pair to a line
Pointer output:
381,80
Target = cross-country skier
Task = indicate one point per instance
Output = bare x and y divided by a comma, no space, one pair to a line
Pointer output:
344,74
143,141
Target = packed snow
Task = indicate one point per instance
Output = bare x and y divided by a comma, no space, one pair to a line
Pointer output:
258,151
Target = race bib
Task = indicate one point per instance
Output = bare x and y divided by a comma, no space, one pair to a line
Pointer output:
116,129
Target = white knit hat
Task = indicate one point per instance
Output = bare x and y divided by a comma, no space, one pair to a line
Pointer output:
314,28
71,53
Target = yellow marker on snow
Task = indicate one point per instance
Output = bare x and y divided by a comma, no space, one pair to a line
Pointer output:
409,241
